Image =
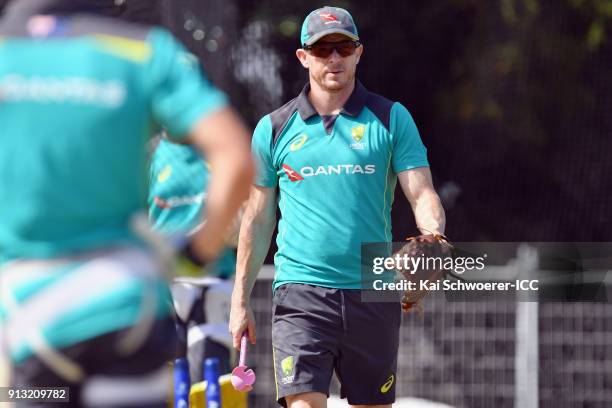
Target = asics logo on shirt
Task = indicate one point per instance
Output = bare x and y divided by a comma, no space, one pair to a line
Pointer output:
297,145
165,174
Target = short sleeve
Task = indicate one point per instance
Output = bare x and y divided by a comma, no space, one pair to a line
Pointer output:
408,149
261,147
180,93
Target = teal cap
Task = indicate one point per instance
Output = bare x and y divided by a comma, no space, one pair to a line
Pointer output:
327,20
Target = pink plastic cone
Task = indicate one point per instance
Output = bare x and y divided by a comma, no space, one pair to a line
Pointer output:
243,377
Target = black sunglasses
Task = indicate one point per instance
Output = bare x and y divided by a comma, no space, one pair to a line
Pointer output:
323,49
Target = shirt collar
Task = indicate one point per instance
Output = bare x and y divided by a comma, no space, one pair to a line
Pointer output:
356,101
304,106
353,106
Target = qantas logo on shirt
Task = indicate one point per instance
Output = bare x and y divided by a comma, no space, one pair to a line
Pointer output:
292,174
339,169
174,202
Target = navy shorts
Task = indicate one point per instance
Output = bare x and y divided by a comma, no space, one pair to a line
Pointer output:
318,330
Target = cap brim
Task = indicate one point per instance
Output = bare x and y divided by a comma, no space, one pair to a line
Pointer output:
323,33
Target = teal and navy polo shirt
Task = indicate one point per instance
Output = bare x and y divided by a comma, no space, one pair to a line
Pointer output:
79,98
336,177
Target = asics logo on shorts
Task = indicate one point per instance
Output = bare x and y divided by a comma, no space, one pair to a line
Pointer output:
388,384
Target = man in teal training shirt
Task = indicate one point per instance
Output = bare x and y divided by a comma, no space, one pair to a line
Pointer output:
177,198
334,153
83,294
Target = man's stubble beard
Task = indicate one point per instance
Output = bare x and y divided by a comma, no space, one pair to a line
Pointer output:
337,87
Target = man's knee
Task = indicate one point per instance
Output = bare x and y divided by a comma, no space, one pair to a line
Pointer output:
307,400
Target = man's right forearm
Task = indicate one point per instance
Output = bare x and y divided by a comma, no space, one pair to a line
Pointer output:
253,245
223,138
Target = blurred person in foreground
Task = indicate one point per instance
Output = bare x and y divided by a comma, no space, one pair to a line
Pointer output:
84,300
335,153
